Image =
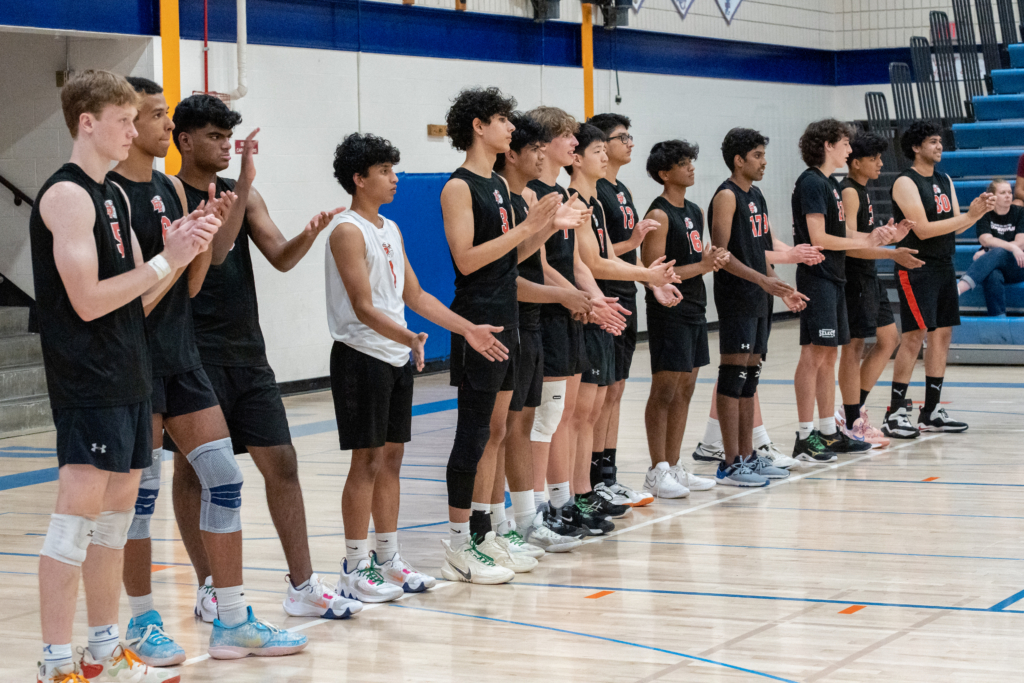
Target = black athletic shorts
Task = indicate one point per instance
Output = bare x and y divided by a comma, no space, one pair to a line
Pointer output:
530,379
372,399
181,394
625,343
471,369
677,346
744,335
116,439
824,321
928,298
867,305
252,407
600,347
565,352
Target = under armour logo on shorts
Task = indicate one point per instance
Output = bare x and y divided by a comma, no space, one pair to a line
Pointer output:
745,346
96,448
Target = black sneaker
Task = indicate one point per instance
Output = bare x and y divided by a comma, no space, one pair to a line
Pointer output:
586,517
812,449
897,425
841,443
605,507
561,525
939,421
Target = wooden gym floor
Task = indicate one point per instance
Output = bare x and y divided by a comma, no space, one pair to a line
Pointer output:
901,565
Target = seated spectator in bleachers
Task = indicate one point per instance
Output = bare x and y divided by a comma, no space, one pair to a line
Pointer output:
1000,261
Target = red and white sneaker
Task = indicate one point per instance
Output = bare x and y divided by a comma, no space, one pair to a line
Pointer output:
865,430
123,667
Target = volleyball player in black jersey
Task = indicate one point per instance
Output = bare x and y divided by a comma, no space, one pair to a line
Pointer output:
626,232
522,163
677,329
92,287
929,303
744,288
867,303
230,343
478,225
819,219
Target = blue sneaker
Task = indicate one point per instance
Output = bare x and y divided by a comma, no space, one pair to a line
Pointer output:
147,640
253,637
739,474
759,464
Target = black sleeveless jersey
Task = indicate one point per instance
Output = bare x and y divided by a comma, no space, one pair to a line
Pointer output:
684,244
103,362
936,196
530,269
225,312
817,193
620,216
865,223
488,296
600,228
750,239
560,249
172,340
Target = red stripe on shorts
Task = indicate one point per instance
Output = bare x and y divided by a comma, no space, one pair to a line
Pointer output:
911,299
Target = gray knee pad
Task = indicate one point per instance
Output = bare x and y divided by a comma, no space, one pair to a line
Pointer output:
67,538
753,377
549,412
221,479
731,380
149,489
112,528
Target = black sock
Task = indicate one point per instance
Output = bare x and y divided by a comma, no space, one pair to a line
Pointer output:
864,396
596,468
479,525
852,415
932,394
899,396
608,469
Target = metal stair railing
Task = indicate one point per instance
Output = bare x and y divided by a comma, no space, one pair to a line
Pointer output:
880,124
19,196
973,83
1007,25
945,57
989,41
927,96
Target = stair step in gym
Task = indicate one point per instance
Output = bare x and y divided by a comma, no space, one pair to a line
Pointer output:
974,300
1017,55
20,349
25,415
13,320
22,381
24,403
988,134
984,330
1008,81
987,163
999,107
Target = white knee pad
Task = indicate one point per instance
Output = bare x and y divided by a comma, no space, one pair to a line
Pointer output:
67,538
112,528
549,412
149,489
218,472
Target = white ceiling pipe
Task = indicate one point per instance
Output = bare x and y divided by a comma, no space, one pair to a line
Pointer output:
242,43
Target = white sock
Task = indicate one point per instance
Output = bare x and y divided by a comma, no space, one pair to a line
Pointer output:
499,523
559,494
458,534
356,550
387,546
103,640
55,656
805,429
712,432
524,508
231,606
827,425
540,499
761,437
140,605
480,507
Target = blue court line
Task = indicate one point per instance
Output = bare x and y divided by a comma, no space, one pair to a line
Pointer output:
17,481
915,481
653,591
869,512
1001,606
789,382
596,637
824,550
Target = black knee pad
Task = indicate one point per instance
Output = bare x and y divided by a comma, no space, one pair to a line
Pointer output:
753,377
471,435
731,380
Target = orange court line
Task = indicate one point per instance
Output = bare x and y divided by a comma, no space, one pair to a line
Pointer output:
930,479
852,609
599,594
158,567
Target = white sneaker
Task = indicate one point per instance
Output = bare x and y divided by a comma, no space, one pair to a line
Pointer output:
662,483
691,480
365,583
398,572
537,534
613,497
317,600
518,544
500,550
778,458
123,667
469,565
637,499
206,601
709,452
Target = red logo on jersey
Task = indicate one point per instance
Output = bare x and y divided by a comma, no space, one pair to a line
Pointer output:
753,207
390,253
497,197
110,209
621,197
158,204
936,189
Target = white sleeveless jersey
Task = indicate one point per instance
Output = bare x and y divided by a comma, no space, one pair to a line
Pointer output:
385,262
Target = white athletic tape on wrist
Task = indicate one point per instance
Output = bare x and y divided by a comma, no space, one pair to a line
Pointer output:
112,528
67,538
160,265
549,412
